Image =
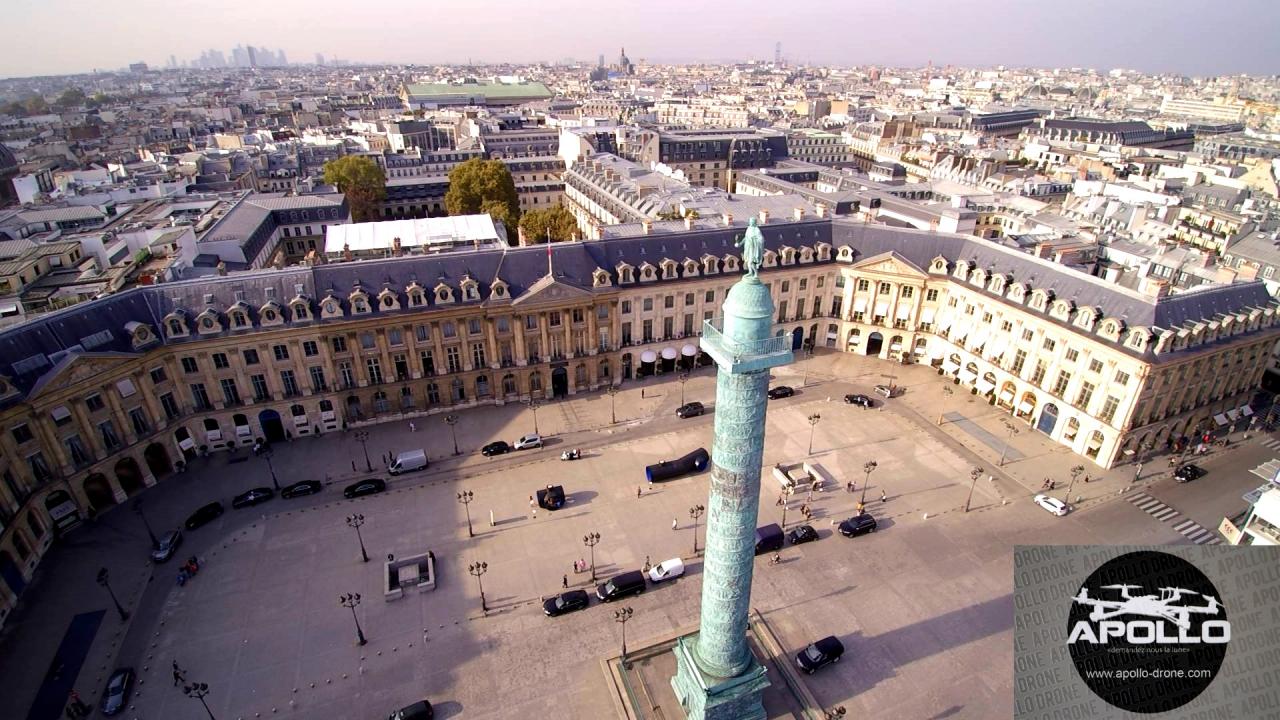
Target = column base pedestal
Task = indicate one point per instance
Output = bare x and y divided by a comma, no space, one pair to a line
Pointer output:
705,697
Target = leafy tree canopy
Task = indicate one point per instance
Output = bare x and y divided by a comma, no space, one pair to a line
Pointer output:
558,221
483,186
363,182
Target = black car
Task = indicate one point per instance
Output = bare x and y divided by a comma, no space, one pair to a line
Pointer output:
370,486
688,410
204,515
249,498
859,400
858,525
497,447
305,487
802,534
552,497
782,391
1189,472
420,710
566,602
819,654
119,687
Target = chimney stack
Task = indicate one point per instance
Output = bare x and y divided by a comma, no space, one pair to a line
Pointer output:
395,247
799,214
688,222
648,226
728,219
222,268
822,210
764,217
1155,287
346,252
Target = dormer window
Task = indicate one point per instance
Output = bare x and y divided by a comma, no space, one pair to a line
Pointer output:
978,278
690,268
1137,340
300,309
770,258
625,273
939,265
600,278
359,303
788,255
806,255
417,296
331,308
668,269
962,270
730,263
647,273
388,300
846,253
1017,292
1061,310
997,284
824,252
175,324
208,322
470,289
1038,299
710,265
444,294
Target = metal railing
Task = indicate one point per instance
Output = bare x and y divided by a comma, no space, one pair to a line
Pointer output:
712,331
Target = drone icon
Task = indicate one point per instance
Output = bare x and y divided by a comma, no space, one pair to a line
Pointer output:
1148,605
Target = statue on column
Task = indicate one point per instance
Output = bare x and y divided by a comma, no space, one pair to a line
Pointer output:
752,244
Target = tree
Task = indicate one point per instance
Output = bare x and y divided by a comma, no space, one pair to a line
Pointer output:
558,220
363,182
71,97
483,186
35,105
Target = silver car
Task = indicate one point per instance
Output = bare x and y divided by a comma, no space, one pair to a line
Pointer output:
167,546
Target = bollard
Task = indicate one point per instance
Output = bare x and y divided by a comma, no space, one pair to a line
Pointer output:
926,516
491,522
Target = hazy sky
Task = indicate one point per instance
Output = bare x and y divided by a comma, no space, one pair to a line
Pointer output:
1185,36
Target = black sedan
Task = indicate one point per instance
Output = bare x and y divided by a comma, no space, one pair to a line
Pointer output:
820,653
802,534
860,400
688,410
497,447
204,515
565,602
1189,472
299,489
782,391
249,498
371,486
119,687
858,525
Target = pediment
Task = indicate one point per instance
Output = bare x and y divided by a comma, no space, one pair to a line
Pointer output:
75,368
890,263
552,290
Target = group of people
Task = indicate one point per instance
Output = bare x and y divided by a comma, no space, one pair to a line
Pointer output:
76,708
188,570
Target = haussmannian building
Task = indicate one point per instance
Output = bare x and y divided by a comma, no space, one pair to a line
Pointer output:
102,399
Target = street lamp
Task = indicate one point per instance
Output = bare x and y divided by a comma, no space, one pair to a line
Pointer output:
813,425
612,390
974,474
834,713
356,521
477,569
452,421
785,497
682,377
362,437
137,507
198,691
591,540
946,393
621,616
465,498
1013,430
532,404
351,600
1075,473
104,581
696,512
274,482
867,468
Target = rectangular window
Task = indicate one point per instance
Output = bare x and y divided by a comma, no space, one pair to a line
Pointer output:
339,343
530,322
1095,365
288,382
230,393
1109,409
1072,354
169,405
374,366
863,284
473,326
22,433
786,286
602,312
422,332
1085,395
782,311
477,355
1037,376
626,333
931,295
885,288
220,361
709,296
647,304
309,348
94,402
158,376
317,377
1027,335
504,324
1122,377
688,324
908,292
553,318
1019,359
110,438
79,454
626,307
578,317
200,397
669,302
452,359
367,341
251,357
39,468
259,383
668,328
346,374
1050,344
189,365
281,352
141,423
1060,384
428,362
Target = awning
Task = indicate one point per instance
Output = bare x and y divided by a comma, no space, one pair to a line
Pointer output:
1246,411
187,444
967,376
985,386
950,366
689,351
904,312
832,336
882,308
1026,406
926,316
648,356
1232,415
896,343
860,305
1007,395
669,353
1220,419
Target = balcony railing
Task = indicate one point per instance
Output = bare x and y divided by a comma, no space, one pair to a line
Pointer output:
712,332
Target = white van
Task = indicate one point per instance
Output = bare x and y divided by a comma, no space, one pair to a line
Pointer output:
667,570
408,461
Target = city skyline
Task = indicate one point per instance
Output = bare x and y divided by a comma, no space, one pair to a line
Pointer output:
495,31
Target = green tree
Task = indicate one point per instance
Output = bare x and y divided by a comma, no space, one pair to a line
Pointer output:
98,100
35,105
558,221
363,182
71,97
483,186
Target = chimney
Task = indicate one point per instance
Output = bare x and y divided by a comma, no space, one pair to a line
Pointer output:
799,213
688,222
764,217
647,224
222,268
395,247
728,219
822,210
346,251
1155,287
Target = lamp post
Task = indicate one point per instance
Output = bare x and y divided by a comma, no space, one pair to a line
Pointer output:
351,600
532,404
813,425
478,569
867,468
356,521
452,421
362,437
274,482
621,616
682,377
465,497
696,512
199,691
974,474
785,497
1144,453
1013,430
137,507
946,393
834,713
592,539
1075,473
105,582
612,390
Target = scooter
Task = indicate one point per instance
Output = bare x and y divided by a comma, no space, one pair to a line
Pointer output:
573,454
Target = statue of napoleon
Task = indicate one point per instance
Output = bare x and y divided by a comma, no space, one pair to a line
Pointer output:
752,244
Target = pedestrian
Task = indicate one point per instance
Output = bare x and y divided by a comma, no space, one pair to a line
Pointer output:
675,523
808,498
883,497
642,392
177,674
564,581
637,491
779,502
582,563
412,427
80,705
532,502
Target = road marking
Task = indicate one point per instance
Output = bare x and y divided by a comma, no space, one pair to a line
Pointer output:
1186,527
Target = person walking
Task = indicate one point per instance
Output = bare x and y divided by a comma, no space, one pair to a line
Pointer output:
412,427
883,497
177,674
637,491
564,582
675,523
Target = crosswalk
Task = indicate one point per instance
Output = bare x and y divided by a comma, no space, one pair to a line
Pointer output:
1186,527
1270,443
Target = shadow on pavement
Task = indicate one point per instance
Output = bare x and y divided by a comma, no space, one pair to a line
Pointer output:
61,678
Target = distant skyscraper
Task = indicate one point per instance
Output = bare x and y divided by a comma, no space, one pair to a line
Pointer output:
253,56
239,58
173,61
777,53
319,59
601,61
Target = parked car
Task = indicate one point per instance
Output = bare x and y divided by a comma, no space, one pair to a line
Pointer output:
408,461
304,487
1053,505
769,539
819,654
249,498
802,534
859,400
420,710
168,545
858,525
368,486
782,391
667,570
566,602
119,688
620,586
691,409
204,515
497,447
532,440
887,391
1189,472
